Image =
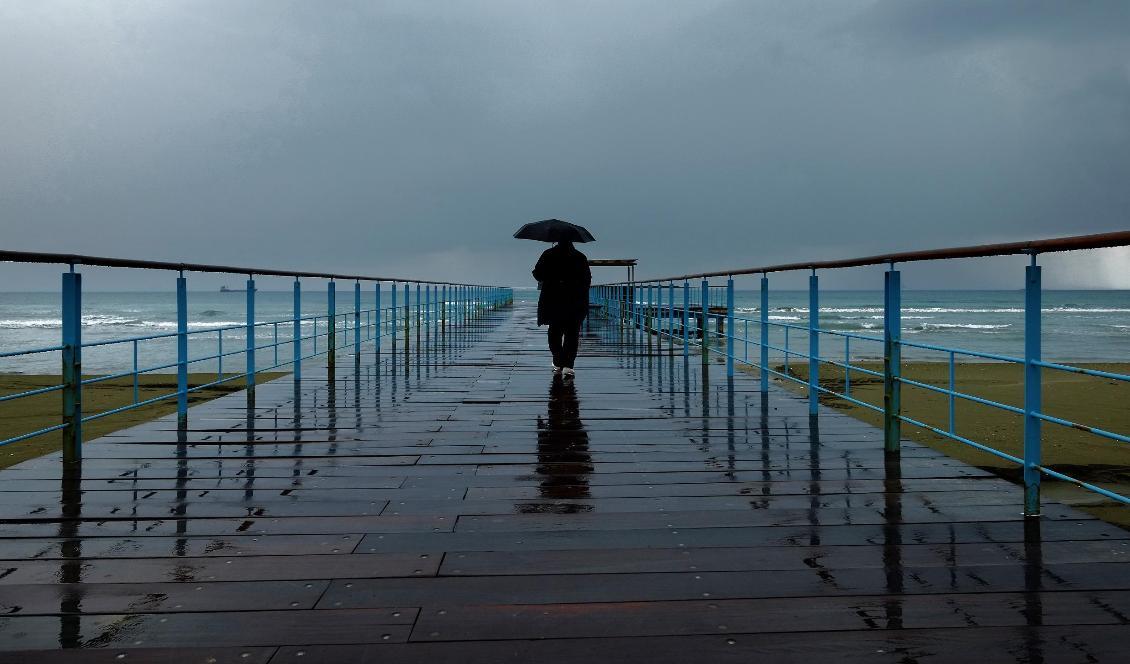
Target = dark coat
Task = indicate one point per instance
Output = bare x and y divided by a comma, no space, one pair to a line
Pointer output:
565,277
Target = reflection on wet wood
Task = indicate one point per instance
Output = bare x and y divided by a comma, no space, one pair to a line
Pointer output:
469,507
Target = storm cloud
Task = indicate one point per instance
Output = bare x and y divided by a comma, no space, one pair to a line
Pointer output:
411,138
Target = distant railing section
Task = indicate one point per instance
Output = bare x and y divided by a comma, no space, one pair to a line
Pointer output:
702,316
437,308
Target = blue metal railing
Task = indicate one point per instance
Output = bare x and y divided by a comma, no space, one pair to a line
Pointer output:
708,322
440,307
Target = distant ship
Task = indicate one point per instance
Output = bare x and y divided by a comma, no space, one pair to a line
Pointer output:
225,289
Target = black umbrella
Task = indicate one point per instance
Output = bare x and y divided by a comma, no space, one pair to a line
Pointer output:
554,230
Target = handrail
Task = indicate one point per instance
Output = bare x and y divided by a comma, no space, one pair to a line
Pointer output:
1070,243
651,311
442,309
104,261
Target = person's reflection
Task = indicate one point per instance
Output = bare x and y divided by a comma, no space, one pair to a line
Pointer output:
564,461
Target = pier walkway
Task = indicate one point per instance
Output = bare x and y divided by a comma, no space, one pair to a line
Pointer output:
468,508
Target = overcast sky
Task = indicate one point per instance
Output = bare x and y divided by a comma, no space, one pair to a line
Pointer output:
412,138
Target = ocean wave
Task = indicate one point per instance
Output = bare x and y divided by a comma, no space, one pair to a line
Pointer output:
943,310
95,321
960,326
91,320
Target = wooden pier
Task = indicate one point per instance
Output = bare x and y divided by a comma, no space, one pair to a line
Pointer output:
466,507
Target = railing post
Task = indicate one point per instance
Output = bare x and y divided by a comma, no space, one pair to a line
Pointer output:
417,317
377,327
892,361
297,334
407,323
730,326
632,309
686,318
705,333
331,336
182,352
72,366
1032,389
443,314
136,386
392,317
428,313
764,333
250,364
671,317
357,319
813,343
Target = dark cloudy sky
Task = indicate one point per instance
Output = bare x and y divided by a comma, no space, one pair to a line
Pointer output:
413,137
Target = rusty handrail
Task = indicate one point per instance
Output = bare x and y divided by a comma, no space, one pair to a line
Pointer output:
1096,241
104,261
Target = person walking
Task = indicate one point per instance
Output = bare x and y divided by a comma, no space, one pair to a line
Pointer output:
564,277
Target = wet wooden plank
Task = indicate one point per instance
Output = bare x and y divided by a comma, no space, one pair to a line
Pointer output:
1003,532
124,632
474,510
627,560
55,598
188,526
759,616
221,568
673,586
109,655
1082,643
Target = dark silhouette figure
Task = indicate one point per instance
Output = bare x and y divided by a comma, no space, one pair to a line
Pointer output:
564,275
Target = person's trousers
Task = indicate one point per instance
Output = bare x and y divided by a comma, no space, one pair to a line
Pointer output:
563,341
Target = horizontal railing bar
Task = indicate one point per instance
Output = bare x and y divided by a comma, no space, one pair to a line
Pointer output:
1082,427
32,351
877,374
960,395
1081,370
963,351
961,439
105,261
31,393
33,434
1075,242
1086,485
130,406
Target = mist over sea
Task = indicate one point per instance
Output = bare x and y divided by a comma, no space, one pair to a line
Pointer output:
1080,326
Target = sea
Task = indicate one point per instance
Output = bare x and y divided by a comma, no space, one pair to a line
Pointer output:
1078,326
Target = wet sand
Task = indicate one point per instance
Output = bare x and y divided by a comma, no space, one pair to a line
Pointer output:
37,412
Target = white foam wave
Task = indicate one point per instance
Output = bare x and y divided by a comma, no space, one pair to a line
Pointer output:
944,310
962,326
108,321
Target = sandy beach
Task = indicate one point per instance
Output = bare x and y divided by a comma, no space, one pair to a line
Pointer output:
37,412
1087,400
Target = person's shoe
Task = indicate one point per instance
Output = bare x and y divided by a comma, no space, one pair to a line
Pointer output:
556,370
568,372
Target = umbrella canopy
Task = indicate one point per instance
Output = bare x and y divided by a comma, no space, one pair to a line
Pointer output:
554,230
